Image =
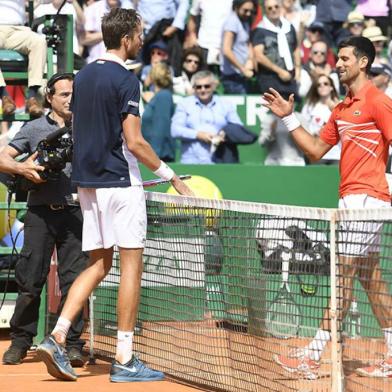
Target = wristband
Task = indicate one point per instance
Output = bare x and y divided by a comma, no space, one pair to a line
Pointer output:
164,172
291,122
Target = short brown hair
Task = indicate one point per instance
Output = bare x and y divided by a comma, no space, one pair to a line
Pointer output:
118,23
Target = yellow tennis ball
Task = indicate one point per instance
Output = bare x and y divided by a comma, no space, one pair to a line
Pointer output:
205,188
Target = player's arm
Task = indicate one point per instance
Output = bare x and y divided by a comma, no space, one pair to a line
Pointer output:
312,146
144,153
27,168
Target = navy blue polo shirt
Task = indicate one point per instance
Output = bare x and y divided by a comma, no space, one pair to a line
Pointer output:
103,93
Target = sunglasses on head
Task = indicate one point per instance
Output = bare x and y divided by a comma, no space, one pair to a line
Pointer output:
200,86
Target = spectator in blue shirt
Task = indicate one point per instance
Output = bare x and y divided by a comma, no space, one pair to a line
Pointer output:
199,119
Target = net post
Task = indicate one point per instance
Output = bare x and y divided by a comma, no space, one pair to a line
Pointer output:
336,351
91,359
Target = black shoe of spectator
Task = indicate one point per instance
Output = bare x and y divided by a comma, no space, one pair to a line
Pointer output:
14,355
75,356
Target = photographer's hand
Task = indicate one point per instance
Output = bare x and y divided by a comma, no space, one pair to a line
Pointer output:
30,169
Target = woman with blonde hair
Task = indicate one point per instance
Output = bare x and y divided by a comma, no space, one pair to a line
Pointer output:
320,100
156,119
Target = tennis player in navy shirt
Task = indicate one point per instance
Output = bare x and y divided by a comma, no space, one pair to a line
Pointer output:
108,144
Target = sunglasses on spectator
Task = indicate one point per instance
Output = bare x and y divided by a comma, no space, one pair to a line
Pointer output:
356,24
197,62
248,12
323,84
273,7
319,52
200,86
157,52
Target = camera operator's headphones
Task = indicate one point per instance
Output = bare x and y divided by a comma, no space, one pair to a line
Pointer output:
49,89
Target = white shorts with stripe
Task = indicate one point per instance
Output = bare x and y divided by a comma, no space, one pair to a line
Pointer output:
113,216
358,239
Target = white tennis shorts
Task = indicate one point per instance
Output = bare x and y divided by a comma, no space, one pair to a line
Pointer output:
358,239
113,216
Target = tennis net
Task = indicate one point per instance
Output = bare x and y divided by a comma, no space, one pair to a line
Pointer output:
217,306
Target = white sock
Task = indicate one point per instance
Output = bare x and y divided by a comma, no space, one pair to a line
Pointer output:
317,345
62,327
124,346
388,340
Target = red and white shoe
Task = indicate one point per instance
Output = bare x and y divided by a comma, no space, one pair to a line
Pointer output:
298,362
382,369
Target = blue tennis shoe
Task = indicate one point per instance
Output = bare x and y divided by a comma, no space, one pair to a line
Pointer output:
56,359
133,371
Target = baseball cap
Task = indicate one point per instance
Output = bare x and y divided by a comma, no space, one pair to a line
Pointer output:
159,45
317,26
355,17
381,69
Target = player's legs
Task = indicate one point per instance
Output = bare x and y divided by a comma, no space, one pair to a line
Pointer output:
370,277
99,266
131,268
305,361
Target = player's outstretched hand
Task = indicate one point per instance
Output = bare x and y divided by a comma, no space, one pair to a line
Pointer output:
277,104
181,187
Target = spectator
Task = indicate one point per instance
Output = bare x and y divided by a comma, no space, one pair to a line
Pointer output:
93,35
14,35
276,52
375,35
192,62
164,20
319,102
333,13
153,11
281,150
381,75
199,120
316,66
209,34
156,119
316,32
355,24
377,10
158,51
237,58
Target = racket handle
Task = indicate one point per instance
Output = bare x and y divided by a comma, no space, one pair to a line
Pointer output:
285,268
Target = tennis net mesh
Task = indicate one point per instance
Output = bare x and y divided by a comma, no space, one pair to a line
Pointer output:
215,309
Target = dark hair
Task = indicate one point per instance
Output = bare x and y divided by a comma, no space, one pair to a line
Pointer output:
196,51
363,47
118,23
50,88
237,3
313,96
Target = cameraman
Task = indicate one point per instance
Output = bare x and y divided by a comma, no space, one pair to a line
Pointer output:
53,219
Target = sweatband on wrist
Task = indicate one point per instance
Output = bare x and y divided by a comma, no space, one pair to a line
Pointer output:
291,122
164,172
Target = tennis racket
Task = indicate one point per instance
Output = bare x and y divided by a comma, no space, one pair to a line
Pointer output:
310,259
159,181
283,316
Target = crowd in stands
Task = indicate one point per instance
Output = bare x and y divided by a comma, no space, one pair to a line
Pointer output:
201,49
